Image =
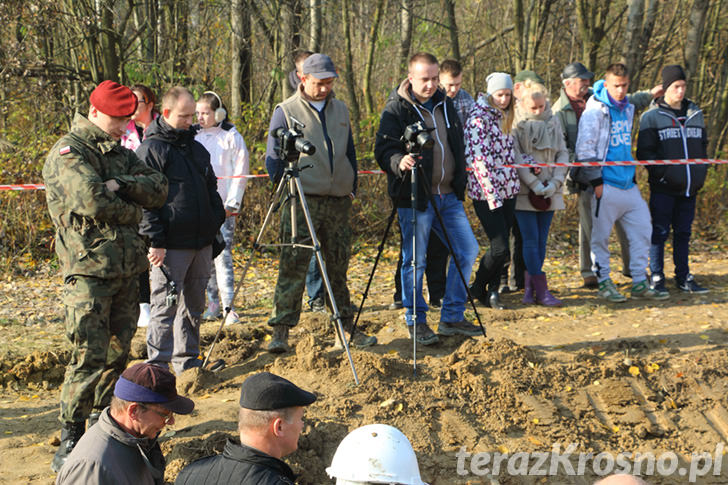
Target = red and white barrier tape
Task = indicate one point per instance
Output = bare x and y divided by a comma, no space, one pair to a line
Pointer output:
689,161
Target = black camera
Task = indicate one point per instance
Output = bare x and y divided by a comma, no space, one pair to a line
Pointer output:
292,143
417,137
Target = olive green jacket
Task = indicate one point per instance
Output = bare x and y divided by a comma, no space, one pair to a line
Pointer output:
97,229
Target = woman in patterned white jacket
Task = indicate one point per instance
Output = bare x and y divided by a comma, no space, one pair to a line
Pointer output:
229,160
493,187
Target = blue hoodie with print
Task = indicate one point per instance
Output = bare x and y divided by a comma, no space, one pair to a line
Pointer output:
620,139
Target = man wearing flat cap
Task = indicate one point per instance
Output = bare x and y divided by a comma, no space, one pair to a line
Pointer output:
95,190
122,448
575,92
269,422
329,184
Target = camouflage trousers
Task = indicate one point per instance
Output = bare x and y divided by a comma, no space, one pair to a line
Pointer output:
330,216
101,318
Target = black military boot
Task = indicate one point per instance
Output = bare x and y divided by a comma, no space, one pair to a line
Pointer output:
92,418
70,434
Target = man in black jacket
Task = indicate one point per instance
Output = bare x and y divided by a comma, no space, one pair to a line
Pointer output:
673,128
418,99
269,422
180,233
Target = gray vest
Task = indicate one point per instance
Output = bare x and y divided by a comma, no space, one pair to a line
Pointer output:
322,178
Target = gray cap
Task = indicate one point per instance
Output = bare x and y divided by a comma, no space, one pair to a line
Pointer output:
497,81
576,69
319,66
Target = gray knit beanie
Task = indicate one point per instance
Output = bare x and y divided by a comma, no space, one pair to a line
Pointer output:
497,81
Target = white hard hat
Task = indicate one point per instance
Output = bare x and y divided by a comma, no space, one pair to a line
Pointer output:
375,453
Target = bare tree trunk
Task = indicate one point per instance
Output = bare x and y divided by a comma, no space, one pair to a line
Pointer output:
454,34
291,18
530,24
637,36
314,41
108,42
694,37
405,43
349,75
373,35
591,18
240,50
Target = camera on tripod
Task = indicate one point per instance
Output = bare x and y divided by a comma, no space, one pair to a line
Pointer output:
292,142
417,137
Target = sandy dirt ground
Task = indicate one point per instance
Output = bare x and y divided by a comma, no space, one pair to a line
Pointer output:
638,377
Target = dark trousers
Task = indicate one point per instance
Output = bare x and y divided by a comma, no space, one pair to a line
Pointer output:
436,270
677,212
517,265
497,224
144,289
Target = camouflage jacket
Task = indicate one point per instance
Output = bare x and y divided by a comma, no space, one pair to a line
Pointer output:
97,229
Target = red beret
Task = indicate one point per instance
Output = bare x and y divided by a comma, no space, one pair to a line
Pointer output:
113,99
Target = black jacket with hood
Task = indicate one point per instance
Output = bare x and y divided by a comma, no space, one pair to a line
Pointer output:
400,111
238,464
664,136
193,212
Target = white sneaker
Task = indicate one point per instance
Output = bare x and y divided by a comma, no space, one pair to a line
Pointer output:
144,315
232,318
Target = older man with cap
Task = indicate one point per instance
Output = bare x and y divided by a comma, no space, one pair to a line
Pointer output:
576,79
329,184
269,423
122,448
95,191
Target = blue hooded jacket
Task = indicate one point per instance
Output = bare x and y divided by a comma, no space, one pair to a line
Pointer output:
620,140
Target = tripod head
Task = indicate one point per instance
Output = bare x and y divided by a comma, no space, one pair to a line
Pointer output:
292,143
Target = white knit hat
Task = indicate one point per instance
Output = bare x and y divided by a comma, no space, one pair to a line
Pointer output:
497,81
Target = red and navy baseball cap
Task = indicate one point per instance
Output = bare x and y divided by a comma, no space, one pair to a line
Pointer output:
152,384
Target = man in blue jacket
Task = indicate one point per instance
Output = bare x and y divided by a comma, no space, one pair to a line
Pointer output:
605,134
673,128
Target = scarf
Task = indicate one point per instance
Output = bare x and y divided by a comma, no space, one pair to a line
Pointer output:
536,132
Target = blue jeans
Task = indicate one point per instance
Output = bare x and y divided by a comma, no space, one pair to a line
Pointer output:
534,226
676,212
314,281
465,248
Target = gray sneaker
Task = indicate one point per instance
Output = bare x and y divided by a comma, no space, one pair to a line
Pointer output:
425,335
609,292
642,291
463,327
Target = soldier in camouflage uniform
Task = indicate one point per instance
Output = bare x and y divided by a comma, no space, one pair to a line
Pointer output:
329,186
95,191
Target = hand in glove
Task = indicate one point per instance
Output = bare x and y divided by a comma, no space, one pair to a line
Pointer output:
539,188
549,189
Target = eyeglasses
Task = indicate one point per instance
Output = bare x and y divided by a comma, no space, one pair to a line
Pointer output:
167,417
141,101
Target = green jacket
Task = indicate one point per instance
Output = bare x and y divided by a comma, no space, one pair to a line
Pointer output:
570,125
96,229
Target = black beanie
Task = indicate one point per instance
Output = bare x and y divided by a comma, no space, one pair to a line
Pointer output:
670,74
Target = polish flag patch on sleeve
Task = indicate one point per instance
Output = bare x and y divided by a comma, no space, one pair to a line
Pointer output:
65,150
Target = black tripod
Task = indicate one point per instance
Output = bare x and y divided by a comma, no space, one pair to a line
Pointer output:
414,180
290,189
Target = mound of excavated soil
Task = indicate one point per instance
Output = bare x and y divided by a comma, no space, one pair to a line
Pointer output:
37,370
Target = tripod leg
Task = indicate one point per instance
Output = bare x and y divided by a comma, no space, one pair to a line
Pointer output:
452,252
256,246
413,201
324,275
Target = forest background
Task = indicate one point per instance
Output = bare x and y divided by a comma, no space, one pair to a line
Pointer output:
52,53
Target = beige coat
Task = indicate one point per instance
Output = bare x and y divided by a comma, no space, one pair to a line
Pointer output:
540,140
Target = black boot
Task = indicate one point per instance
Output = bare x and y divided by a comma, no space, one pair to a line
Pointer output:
494,301
92,418
70,434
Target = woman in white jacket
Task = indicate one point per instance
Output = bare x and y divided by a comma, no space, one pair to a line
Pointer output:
229,160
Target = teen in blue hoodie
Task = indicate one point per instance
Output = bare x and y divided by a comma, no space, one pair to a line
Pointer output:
605,134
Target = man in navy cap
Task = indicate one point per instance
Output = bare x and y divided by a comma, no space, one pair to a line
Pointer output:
269,422
122,447
329,184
